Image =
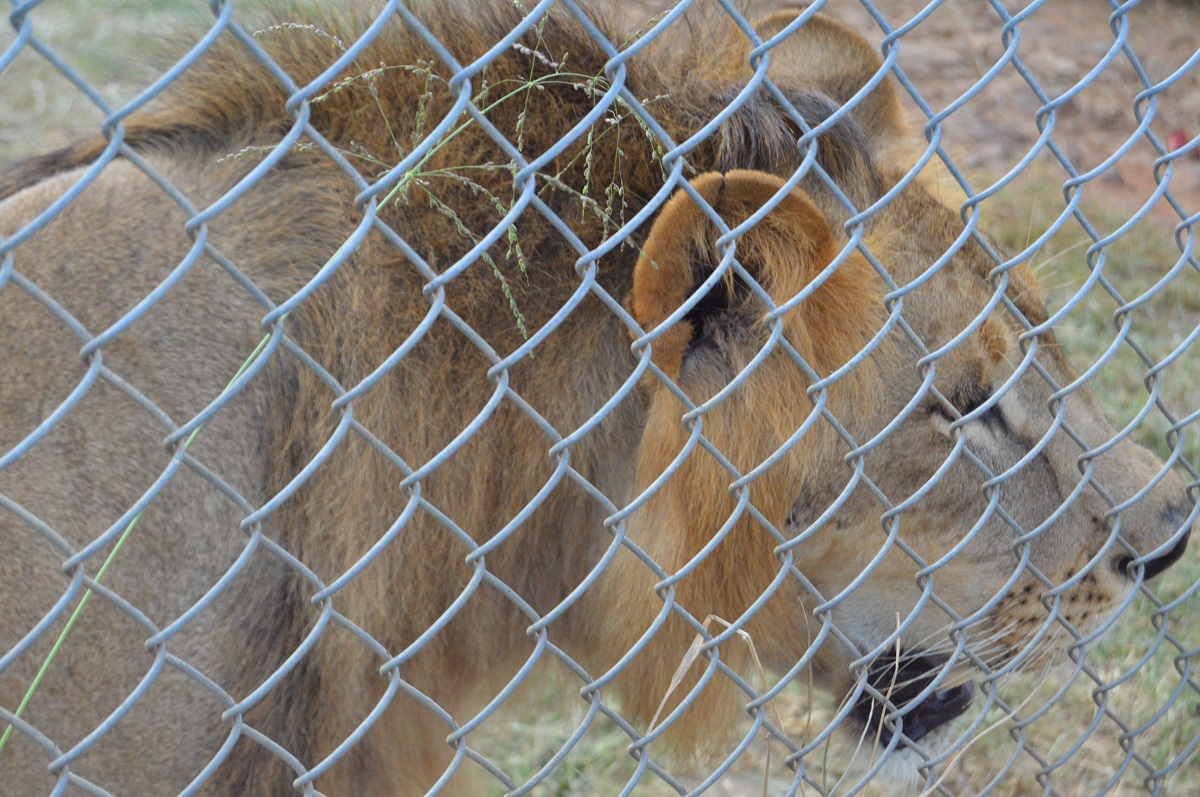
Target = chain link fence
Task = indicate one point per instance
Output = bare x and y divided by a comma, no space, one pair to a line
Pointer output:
534,398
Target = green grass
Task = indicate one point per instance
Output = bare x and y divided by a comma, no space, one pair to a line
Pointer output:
106,42
1132,264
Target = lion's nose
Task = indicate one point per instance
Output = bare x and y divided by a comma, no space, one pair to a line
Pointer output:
1174,519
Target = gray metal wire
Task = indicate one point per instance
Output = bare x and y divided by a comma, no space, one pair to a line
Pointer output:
802,758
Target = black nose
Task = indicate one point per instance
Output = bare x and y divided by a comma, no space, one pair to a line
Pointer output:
1172,519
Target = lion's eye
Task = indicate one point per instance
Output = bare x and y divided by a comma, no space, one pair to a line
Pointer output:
968,398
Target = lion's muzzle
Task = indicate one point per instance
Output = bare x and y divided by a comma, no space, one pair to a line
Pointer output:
901,679
1174,518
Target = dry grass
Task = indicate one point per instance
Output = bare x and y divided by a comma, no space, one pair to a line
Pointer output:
42,110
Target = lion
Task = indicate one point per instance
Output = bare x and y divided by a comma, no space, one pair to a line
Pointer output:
484,441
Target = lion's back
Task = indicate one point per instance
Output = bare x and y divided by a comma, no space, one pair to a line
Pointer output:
70,491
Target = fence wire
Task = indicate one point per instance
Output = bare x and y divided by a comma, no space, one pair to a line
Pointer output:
270,628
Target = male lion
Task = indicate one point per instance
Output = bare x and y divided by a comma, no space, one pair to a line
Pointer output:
431,478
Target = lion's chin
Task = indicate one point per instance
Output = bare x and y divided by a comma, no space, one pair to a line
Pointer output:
902,681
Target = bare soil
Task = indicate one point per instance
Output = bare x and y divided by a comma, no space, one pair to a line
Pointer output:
1054,49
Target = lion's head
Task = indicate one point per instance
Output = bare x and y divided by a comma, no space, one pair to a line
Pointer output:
944,487
880,426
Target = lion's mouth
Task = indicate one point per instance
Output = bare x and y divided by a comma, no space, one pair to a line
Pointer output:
901,679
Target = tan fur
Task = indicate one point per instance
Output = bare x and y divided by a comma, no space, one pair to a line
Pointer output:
122,236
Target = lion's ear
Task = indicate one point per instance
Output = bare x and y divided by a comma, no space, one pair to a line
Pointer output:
783,252
836,61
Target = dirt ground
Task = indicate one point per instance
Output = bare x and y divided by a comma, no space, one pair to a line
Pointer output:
950,50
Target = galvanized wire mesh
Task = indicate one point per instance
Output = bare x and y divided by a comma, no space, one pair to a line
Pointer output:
1116,719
